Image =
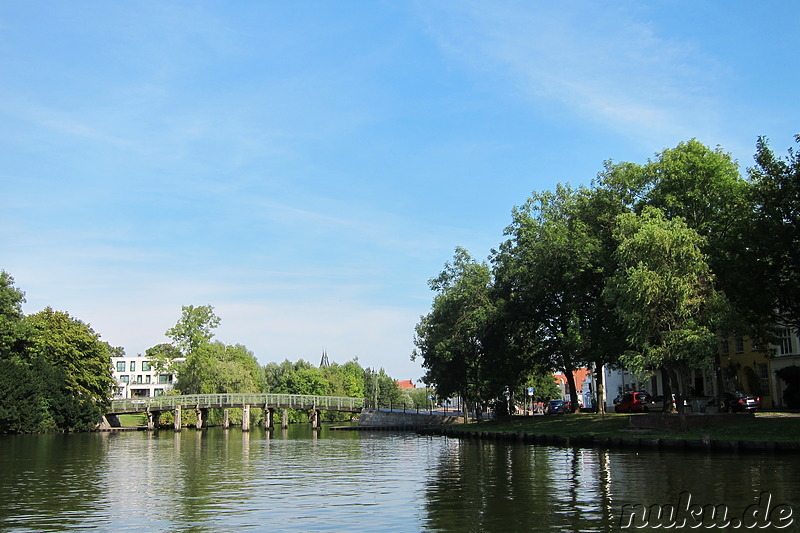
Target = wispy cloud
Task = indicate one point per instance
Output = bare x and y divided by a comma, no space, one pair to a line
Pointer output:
597,61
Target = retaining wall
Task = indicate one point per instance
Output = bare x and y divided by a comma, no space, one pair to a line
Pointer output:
373,418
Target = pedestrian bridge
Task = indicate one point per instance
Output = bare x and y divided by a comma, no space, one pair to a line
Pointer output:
200,403
222,401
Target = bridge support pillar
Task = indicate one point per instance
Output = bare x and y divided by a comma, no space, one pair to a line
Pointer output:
113,421
246,418
177,414
202,417
316,416
153,419
226,418
284,418
269,416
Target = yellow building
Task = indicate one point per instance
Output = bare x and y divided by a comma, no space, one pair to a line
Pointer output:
746,368
751,369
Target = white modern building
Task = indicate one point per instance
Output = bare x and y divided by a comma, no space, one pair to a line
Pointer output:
137,378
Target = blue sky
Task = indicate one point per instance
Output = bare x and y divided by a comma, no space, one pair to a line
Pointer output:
306,167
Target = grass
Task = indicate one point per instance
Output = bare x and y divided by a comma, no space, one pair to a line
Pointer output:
134,420
764,427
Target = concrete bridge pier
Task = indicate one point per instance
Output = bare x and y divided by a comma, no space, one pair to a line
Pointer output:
269,416
202,416
177,414
226,418
316,418
246,418
153,419
284,418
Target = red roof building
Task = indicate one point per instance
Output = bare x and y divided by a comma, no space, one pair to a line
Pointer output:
406,384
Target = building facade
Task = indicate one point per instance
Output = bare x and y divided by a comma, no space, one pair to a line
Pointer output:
136,377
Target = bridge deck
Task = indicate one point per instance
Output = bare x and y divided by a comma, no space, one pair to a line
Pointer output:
207,401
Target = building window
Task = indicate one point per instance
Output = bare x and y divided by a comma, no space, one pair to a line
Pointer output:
146,366
147,378
139,379
739,344
164,379
724,346
763,374
124,379
133,366
120,366
158,392
786,341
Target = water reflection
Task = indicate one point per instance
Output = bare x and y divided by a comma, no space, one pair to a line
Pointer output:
304,480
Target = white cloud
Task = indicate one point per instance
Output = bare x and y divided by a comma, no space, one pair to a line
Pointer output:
593,60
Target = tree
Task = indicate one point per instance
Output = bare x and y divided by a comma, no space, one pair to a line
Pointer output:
380,389
216,368
11,300
664,294
73,347
774,241
346,379
162,357
704,188
194,328
550,276
451,339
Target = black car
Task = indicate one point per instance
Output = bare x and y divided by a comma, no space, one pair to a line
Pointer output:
739,402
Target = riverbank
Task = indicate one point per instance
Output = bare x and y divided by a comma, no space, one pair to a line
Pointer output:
763,432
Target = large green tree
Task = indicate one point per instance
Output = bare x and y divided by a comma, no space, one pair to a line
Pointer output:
73,347
217,368
452,339
550,275
194,328
704,188
774,242
664,294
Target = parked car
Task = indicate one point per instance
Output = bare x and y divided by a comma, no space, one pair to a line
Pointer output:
739,402
657,403
633,402
557,407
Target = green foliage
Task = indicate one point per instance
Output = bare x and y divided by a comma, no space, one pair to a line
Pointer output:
774,237
380,388
74,348
54,370
162,357
194,328
216,368
550,275
11,300
453,339
664,293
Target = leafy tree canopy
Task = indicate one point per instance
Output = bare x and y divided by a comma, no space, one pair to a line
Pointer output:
194,328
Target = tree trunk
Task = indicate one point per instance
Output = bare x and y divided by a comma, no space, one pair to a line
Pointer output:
675,382
573,394
600,389
669,405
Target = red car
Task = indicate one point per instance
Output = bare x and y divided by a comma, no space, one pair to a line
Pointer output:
633,402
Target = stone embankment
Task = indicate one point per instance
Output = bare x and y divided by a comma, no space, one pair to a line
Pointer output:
631,443
377,419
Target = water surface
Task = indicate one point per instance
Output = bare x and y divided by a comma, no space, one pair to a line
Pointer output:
302,480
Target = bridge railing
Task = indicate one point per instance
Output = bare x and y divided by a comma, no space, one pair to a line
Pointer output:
288,401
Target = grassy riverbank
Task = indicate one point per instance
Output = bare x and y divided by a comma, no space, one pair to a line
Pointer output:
764,427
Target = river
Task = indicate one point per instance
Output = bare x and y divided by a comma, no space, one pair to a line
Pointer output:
302,480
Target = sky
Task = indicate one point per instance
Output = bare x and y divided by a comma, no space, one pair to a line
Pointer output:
306,167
